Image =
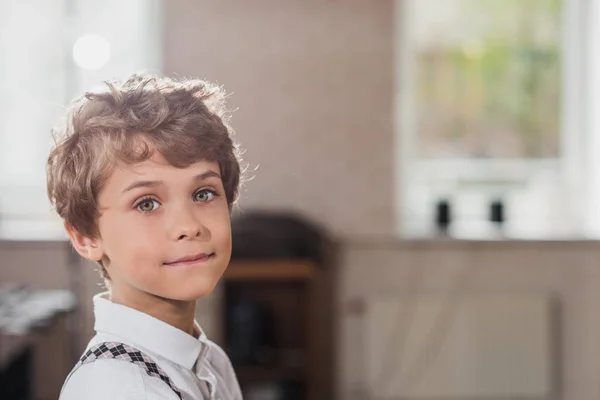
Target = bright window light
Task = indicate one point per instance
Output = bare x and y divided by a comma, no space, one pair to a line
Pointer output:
91,52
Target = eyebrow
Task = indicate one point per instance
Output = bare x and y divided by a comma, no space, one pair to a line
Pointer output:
149,184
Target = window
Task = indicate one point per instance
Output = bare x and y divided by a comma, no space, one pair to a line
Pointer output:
492,106
39,76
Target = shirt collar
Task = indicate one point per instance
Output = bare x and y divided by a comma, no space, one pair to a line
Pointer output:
149,332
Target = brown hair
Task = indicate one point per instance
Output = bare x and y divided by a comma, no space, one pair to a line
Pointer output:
184,120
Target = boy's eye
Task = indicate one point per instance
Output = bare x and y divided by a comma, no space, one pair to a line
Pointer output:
204,195
147,205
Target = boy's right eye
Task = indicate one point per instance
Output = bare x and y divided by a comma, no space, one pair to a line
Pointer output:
147,205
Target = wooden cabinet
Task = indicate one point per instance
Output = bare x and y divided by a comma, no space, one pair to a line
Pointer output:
288,304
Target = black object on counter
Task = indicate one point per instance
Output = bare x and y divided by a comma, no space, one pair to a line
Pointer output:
497,214
443,215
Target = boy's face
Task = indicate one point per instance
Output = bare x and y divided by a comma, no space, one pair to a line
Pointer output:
165,231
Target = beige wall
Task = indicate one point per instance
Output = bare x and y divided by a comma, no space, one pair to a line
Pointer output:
313,83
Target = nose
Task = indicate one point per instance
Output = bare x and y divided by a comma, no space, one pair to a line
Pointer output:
184,224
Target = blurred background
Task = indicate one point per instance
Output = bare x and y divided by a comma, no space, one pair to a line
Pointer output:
423,220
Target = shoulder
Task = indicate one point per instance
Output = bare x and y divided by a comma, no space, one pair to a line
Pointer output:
105,379
113,379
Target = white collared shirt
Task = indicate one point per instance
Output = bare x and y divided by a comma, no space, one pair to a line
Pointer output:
197,367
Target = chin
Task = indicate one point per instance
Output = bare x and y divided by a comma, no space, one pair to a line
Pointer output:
193,292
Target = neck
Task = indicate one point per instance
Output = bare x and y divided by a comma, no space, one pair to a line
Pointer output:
177,313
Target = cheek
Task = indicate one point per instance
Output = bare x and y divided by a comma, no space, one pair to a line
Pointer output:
222,230
225,242
128,239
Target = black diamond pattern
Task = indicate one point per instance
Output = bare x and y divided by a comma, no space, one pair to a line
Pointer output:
120,351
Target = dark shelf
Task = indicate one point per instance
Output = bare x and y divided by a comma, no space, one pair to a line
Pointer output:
270,270
277,314
253,374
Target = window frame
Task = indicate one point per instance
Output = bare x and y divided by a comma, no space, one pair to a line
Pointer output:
414,214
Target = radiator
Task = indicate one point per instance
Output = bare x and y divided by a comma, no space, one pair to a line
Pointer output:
500,346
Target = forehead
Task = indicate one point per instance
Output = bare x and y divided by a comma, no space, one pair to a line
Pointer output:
157,167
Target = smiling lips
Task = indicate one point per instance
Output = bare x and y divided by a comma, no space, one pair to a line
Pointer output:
190,260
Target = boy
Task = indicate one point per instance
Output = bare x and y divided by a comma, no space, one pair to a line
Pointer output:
144,175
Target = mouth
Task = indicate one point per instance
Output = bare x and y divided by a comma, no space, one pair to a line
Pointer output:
190,260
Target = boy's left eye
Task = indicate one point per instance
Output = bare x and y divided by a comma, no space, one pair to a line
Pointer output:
204,195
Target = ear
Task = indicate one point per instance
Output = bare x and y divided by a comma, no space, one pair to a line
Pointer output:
87,248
